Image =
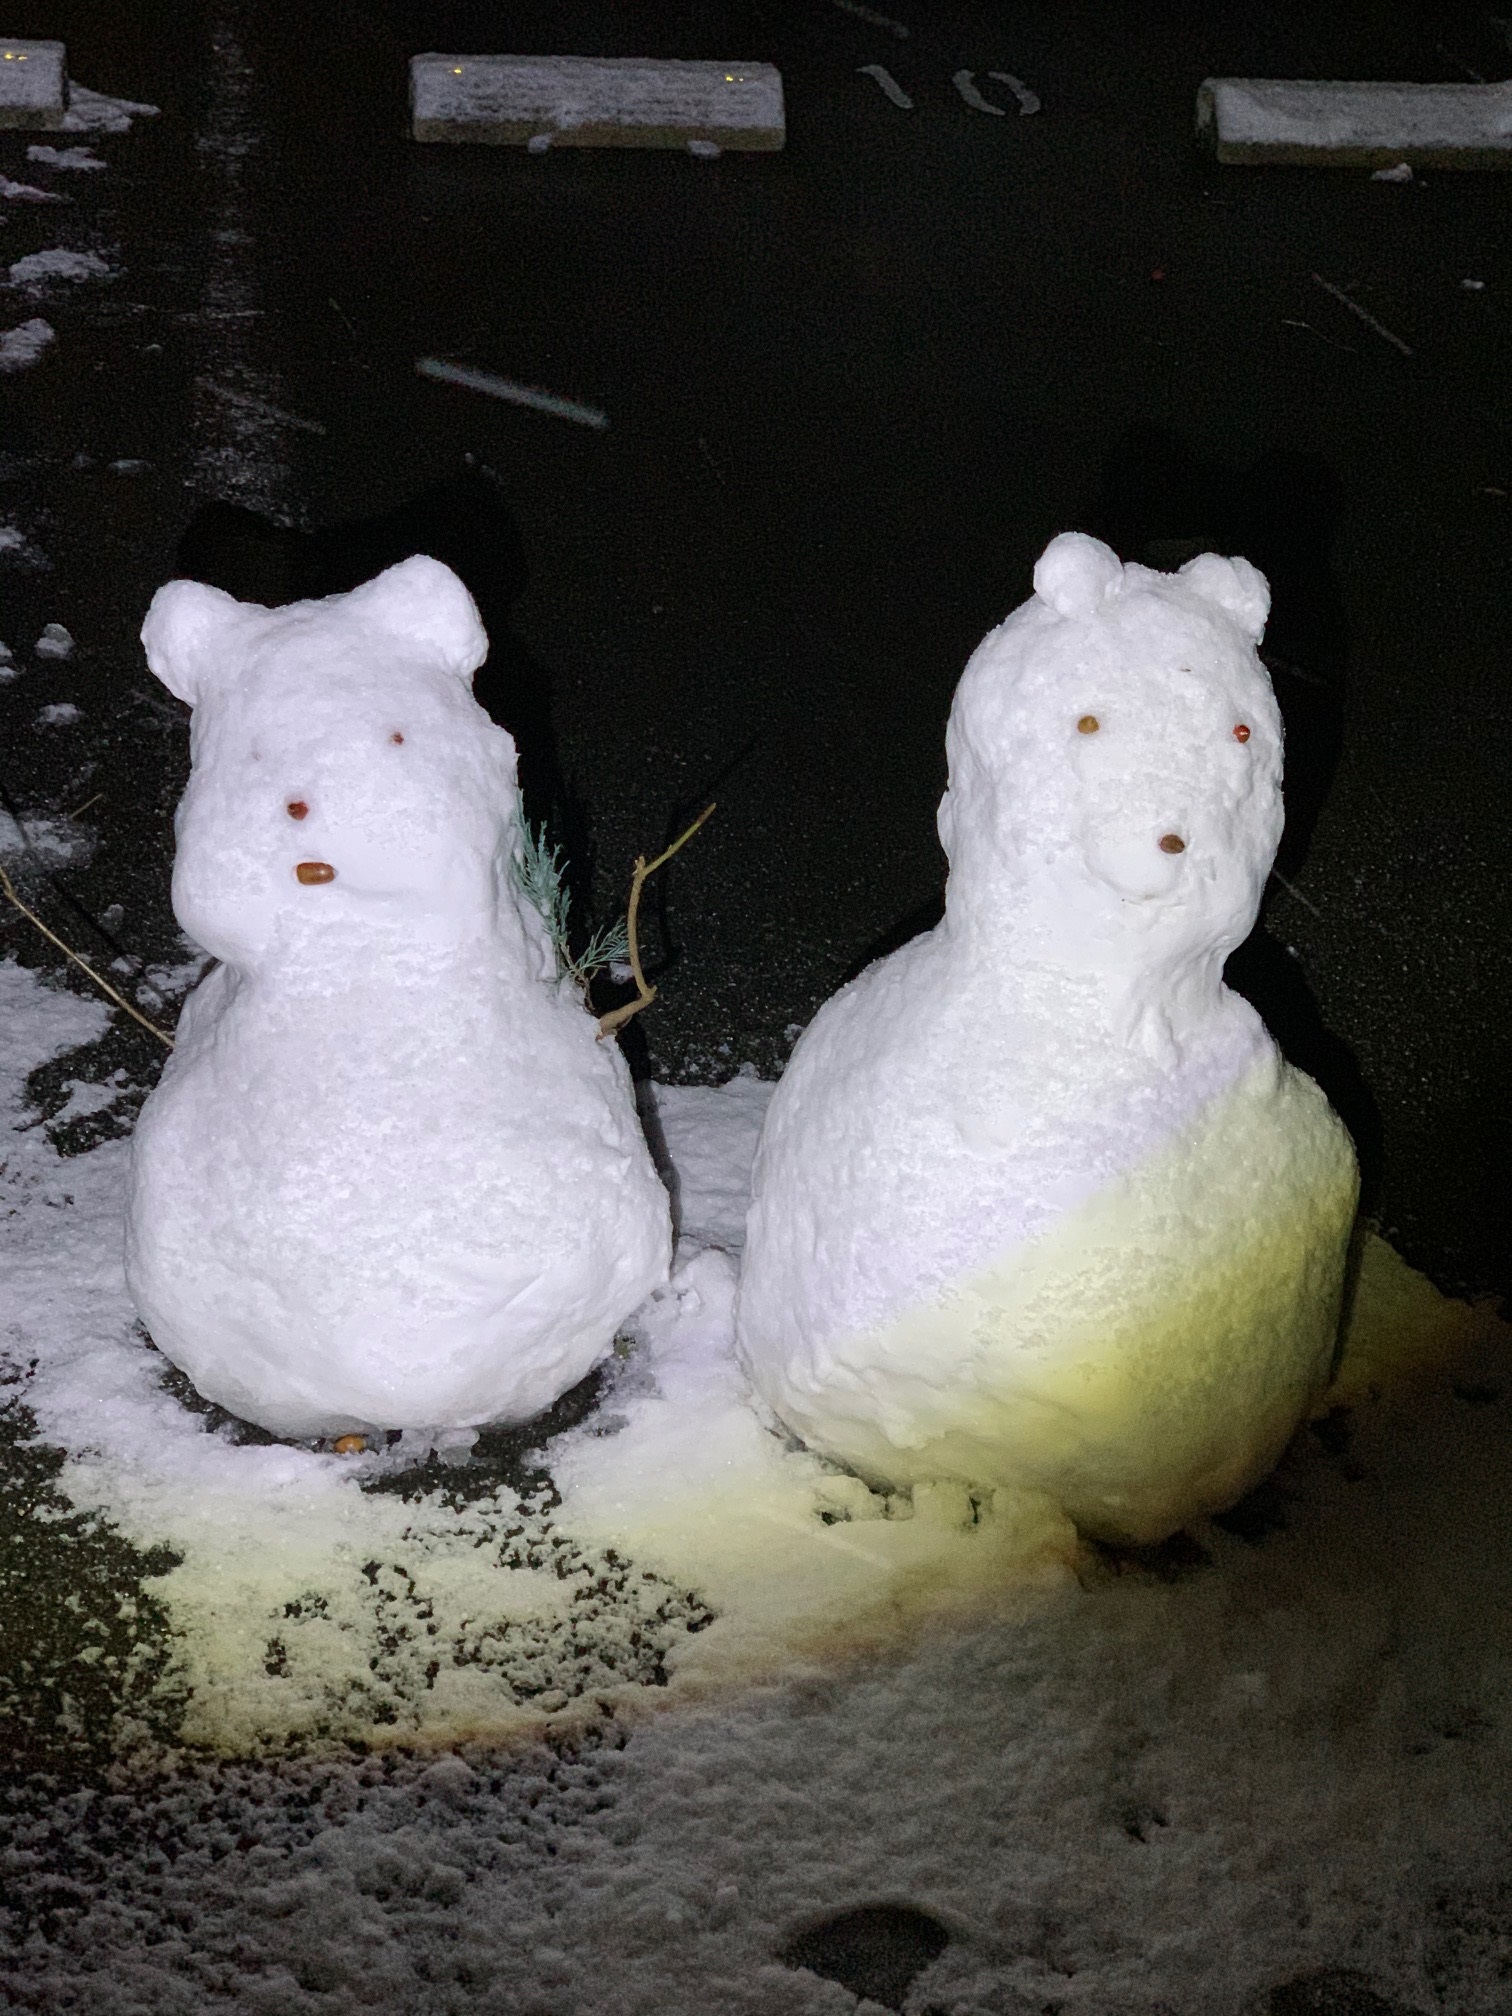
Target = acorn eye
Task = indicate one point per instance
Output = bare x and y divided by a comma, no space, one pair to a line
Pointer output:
297,808
398,736
1088,725
1241,731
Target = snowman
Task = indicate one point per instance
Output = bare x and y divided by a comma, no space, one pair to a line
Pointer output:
1037,1203
390,1177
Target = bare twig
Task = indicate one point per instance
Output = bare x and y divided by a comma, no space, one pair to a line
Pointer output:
615,1020
8,889
1348,301
1292,890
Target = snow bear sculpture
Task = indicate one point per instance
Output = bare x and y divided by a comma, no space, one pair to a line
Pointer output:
389,1178
1037,1202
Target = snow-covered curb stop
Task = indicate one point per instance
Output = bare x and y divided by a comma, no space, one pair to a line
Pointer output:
33,85
1249,121
593,101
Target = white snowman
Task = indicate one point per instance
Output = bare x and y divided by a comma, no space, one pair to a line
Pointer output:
1038,1203
390,1178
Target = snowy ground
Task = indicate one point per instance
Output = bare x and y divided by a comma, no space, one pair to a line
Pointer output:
618,1726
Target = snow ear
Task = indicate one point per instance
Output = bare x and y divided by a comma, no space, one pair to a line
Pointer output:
423,602
1076,574
184,634
1238,588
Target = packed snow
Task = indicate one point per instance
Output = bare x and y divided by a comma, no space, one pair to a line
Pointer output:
26,192
97,112
37,269
46,839
391,1177
18,549
55,642
1038,1204
73,159
24,345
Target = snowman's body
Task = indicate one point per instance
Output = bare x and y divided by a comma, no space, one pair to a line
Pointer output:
1037,1202
389,1178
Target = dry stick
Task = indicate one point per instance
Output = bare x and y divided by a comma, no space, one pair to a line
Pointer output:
1364,314
9,890
616,1019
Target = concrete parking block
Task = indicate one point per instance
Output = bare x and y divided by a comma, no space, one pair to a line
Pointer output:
1305,123
592,101
33,84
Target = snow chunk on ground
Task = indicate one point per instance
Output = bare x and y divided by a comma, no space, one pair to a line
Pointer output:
58,263
94,112
61,714
76,158
52,842
17,548
23,192
55,642
23,346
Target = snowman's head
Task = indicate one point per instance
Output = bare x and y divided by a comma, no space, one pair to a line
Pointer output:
1115,763
346,789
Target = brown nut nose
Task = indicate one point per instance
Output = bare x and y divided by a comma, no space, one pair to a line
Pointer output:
1172,843
322,871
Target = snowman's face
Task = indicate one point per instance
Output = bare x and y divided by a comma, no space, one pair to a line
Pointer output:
337,789
1120,775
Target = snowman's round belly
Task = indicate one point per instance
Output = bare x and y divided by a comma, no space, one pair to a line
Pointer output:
1144,1359
453,1258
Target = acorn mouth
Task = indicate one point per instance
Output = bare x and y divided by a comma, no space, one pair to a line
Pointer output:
315,871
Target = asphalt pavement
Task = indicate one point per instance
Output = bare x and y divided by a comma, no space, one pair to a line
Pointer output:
852,388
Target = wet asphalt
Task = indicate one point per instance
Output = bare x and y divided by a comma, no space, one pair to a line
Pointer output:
852,388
